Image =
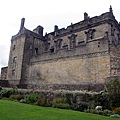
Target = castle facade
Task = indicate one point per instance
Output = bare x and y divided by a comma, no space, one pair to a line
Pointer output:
86,52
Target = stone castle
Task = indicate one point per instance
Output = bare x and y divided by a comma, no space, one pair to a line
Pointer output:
82,54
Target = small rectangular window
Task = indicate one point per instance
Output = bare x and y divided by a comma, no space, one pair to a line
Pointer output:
36,51
13,72
13,47
14,59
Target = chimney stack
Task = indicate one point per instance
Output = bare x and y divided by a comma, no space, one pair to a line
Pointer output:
86,17
55,28
22,24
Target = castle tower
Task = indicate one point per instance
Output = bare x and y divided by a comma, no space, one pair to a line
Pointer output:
16,55
22,49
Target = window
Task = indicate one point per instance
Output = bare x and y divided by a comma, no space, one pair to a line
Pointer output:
82,42
13,72
13,47
36,51
52,50
14,59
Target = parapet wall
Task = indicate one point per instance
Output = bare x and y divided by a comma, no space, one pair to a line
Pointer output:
90,22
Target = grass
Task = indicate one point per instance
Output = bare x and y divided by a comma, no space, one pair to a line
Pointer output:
10,110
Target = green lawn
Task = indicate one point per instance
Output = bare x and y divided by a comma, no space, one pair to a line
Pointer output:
10,110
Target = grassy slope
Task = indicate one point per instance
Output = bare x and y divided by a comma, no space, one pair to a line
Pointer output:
10,110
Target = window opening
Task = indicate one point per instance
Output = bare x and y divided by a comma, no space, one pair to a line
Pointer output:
36,51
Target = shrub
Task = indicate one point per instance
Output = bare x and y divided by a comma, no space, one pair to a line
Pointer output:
16,97
90,111
100,112
61,105
31,98
79,107
60,100
107,112
41,101
44,101
49,102
116,110
113,90
0,88
115,116
6,93
69,98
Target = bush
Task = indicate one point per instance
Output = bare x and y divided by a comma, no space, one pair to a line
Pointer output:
113,90
79,107
0,88
61,105
115,116
6,93
16,97
100,112
41,101
90,111
49,102
107,112
60,100
69,98
31,98
116,110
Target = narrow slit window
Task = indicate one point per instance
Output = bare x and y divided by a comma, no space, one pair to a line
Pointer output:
14,59
13,47
36,51
13,72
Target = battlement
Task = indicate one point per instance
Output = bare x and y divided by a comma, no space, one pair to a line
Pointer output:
82,25
85,24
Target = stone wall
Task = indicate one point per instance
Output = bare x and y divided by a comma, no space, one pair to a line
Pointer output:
114,48
68,87
75,70
85,63
4,83
4,73
16,57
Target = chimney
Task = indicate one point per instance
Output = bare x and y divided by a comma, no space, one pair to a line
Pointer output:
86,17
39,30
110,9
22,24
55,28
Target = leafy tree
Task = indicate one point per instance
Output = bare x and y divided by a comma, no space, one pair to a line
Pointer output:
113,92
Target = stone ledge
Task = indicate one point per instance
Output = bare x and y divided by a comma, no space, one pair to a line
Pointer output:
71,87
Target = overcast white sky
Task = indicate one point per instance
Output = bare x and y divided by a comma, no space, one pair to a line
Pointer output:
46,13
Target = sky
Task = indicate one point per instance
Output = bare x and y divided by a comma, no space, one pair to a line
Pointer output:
46,13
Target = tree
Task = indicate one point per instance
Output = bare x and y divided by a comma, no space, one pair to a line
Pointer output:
113,92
